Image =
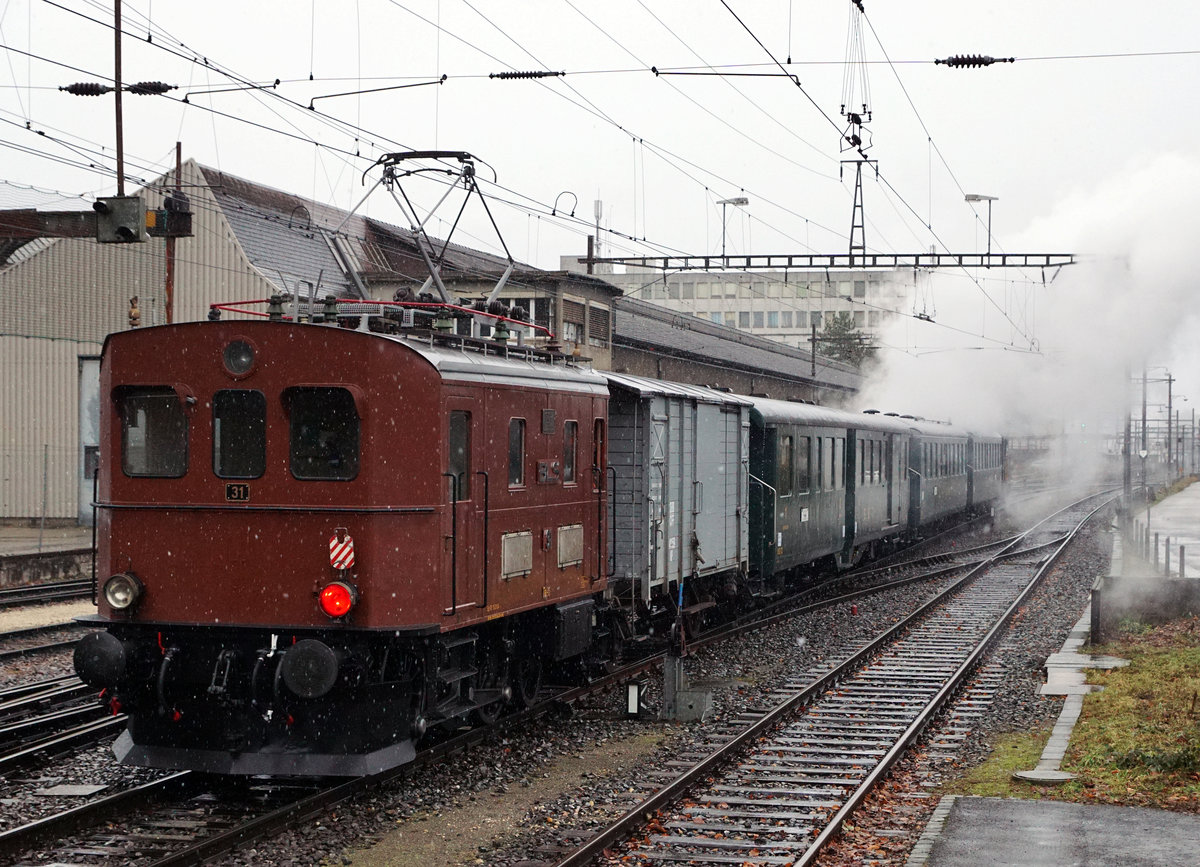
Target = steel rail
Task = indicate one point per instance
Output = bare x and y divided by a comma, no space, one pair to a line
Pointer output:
635,818
83,734
25,837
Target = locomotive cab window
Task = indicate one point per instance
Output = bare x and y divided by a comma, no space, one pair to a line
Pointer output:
459,457
154,432
570,451
239,433
516,452
324,430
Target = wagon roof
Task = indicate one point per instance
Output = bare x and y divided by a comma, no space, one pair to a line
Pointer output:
807,413
644,386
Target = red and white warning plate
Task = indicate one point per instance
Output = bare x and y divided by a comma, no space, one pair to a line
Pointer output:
341,550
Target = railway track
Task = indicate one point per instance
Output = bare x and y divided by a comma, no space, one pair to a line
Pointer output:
56,591
777,791
188,796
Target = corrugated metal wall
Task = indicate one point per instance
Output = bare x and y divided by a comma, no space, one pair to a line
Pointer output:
39,434
60,303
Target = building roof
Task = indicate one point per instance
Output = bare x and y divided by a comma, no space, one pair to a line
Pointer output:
642,325
298,243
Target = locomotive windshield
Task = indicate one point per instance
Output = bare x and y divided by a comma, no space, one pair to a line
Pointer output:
154,432
324,431
239,433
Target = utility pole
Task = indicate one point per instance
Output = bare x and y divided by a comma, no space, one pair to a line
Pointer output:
117,83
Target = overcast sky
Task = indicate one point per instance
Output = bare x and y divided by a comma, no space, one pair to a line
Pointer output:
1087,141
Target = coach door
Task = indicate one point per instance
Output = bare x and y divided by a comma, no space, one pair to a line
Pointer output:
891,477
466,489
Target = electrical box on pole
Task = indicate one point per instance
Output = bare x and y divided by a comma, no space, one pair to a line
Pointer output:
120,220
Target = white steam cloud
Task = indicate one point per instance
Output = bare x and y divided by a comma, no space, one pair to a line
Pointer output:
1132,299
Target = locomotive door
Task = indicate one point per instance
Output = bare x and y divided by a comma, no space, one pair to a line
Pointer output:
466,490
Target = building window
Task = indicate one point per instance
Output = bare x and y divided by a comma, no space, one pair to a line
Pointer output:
758,319
815,319
703,290
597,325
458,461
860,318
154,432
689,291
731,320
239,434
324,430
743,319
772,318
715,317
860,288
516,452
785,319
801,319
873,318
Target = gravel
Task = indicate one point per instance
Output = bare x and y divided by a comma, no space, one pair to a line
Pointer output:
512,800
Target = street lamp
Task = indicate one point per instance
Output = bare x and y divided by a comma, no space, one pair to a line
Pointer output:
975,197
737,202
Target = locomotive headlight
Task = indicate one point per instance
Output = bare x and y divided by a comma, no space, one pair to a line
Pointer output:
122,591
337,599
238,357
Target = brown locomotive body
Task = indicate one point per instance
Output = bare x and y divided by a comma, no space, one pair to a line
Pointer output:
323,540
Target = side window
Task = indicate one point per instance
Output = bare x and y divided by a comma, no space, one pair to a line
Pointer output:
323,426
239,427
839,463
817,476
827,465
458,457
154,432
787,461
570,451
803,463
516,452
599,455
862,462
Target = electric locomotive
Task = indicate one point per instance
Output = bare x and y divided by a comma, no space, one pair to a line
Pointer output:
315,542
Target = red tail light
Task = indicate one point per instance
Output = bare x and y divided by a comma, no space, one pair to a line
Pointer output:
337,599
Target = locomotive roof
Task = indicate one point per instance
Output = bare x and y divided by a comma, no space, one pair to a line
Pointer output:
462,365
644,386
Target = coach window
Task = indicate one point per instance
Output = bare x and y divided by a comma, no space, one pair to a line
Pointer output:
862,462
154,432
516,452
239,430
787,461
827,466
570,450
459,453
802,458
839,463
323,426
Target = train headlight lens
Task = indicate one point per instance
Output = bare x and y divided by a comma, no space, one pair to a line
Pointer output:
238,357
122,591
337,599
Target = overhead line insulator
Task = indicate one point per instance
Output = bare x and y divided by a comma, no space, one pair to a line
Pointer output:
534,74
87,88
972,60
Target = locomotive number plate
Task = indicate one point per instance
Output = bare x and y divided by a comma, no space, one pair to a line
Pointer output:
237,492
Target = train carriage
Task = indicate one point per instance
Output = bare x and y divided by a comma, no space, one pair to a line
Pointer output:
318,544
940,480
986,469
677,456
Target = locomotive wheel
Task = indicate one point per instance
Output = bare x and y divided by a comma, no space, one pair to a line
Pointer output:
527,680
491,677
